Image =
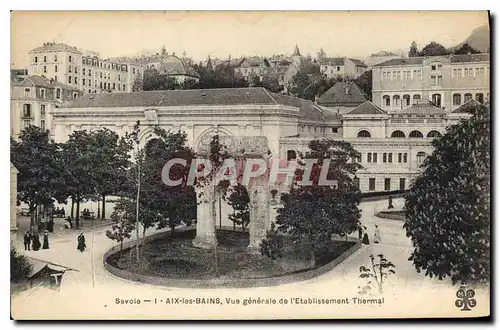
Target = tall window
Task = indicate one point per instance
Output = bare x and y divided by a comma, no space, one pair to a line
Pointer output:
70,58
356,182
27,110
459,73
44,69
69,79
390,157
406,100
55,68
387,184
375,157
405,158
457,99
83,81
420,157
26,123
55,58
384,157
42,94
58,93
371,183
395,101
42,109
387,100
27,92
467,97
402,184
36,59
45,59
480,97
42,124
369,157
436,99
76,69
69,69
83,71
400,157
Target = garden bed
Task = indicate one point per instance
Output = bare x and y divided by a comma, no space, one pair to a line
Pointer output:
392,215
176,258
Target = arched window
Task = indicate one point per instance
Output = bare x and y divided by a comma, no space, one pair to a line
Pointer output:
364,134
406,100
480,97
467,97
416,96
420,157
291,155
395,100
433,134
387,100
398,134
416,134
457,99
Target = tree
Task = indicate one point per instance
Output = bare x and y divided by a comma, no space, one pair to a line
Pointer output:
34,155
110,158
138,84
434,49
413,50
20,267
466,49
76,166
123,221
317,211
447,207
321,54
238,198
364,82
271,83
154,81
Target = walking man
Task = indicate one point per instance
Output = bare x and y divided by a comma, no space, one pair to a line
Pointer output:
27,241
45,240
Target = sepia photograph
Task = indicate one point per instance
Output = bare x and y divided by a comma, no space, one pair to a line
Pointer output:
250,165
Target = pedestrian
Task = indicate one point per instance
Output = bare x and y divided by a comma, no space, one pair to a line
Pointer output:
391,206
27,241
376,235
365,240
360,232
81,242
45,240
36,242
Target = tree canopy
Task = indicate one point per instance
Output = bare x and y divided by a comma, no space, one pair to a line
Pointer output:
364,82
317,211
466,49
448,205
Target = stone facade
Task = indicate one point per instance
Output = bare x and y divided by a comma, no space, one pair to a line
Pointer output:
448,81
83,69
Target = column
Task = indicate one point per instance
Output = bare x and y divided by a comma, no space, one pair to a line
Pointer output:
205,218
259,214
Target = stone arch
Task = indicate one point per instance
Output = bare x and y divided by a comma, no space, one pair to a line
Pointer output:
207,134
433,134
398,134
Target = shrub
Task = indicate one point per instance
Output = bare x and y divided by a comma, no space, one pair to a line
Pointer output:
20,267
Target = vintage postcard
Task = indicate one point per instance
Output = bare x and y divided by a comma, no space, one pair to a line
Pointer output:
250,165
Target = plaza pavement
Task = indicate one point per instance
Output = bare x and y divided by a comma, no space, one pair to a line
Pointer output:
91,292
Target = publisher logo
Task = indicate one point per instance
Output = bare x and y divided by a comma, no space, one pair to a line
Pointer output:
465,299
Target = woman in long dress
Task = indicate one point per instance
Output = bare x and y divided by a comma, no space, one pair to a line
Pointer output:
81,242
45,240
376,235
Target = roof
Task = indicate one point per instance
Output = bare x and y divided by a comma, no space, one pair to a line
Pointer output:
470,106
383,53
367,108
402,61
55,47
342,94
358,63
172,65
332,61
40,81
255,61
422,107
466,58
223,96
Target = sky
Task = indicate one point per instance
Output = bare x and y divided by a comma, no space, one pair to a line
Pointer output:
219,34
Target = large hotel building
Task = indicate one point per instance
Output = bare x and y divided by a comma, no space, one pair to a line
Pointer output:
82,69
448,81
